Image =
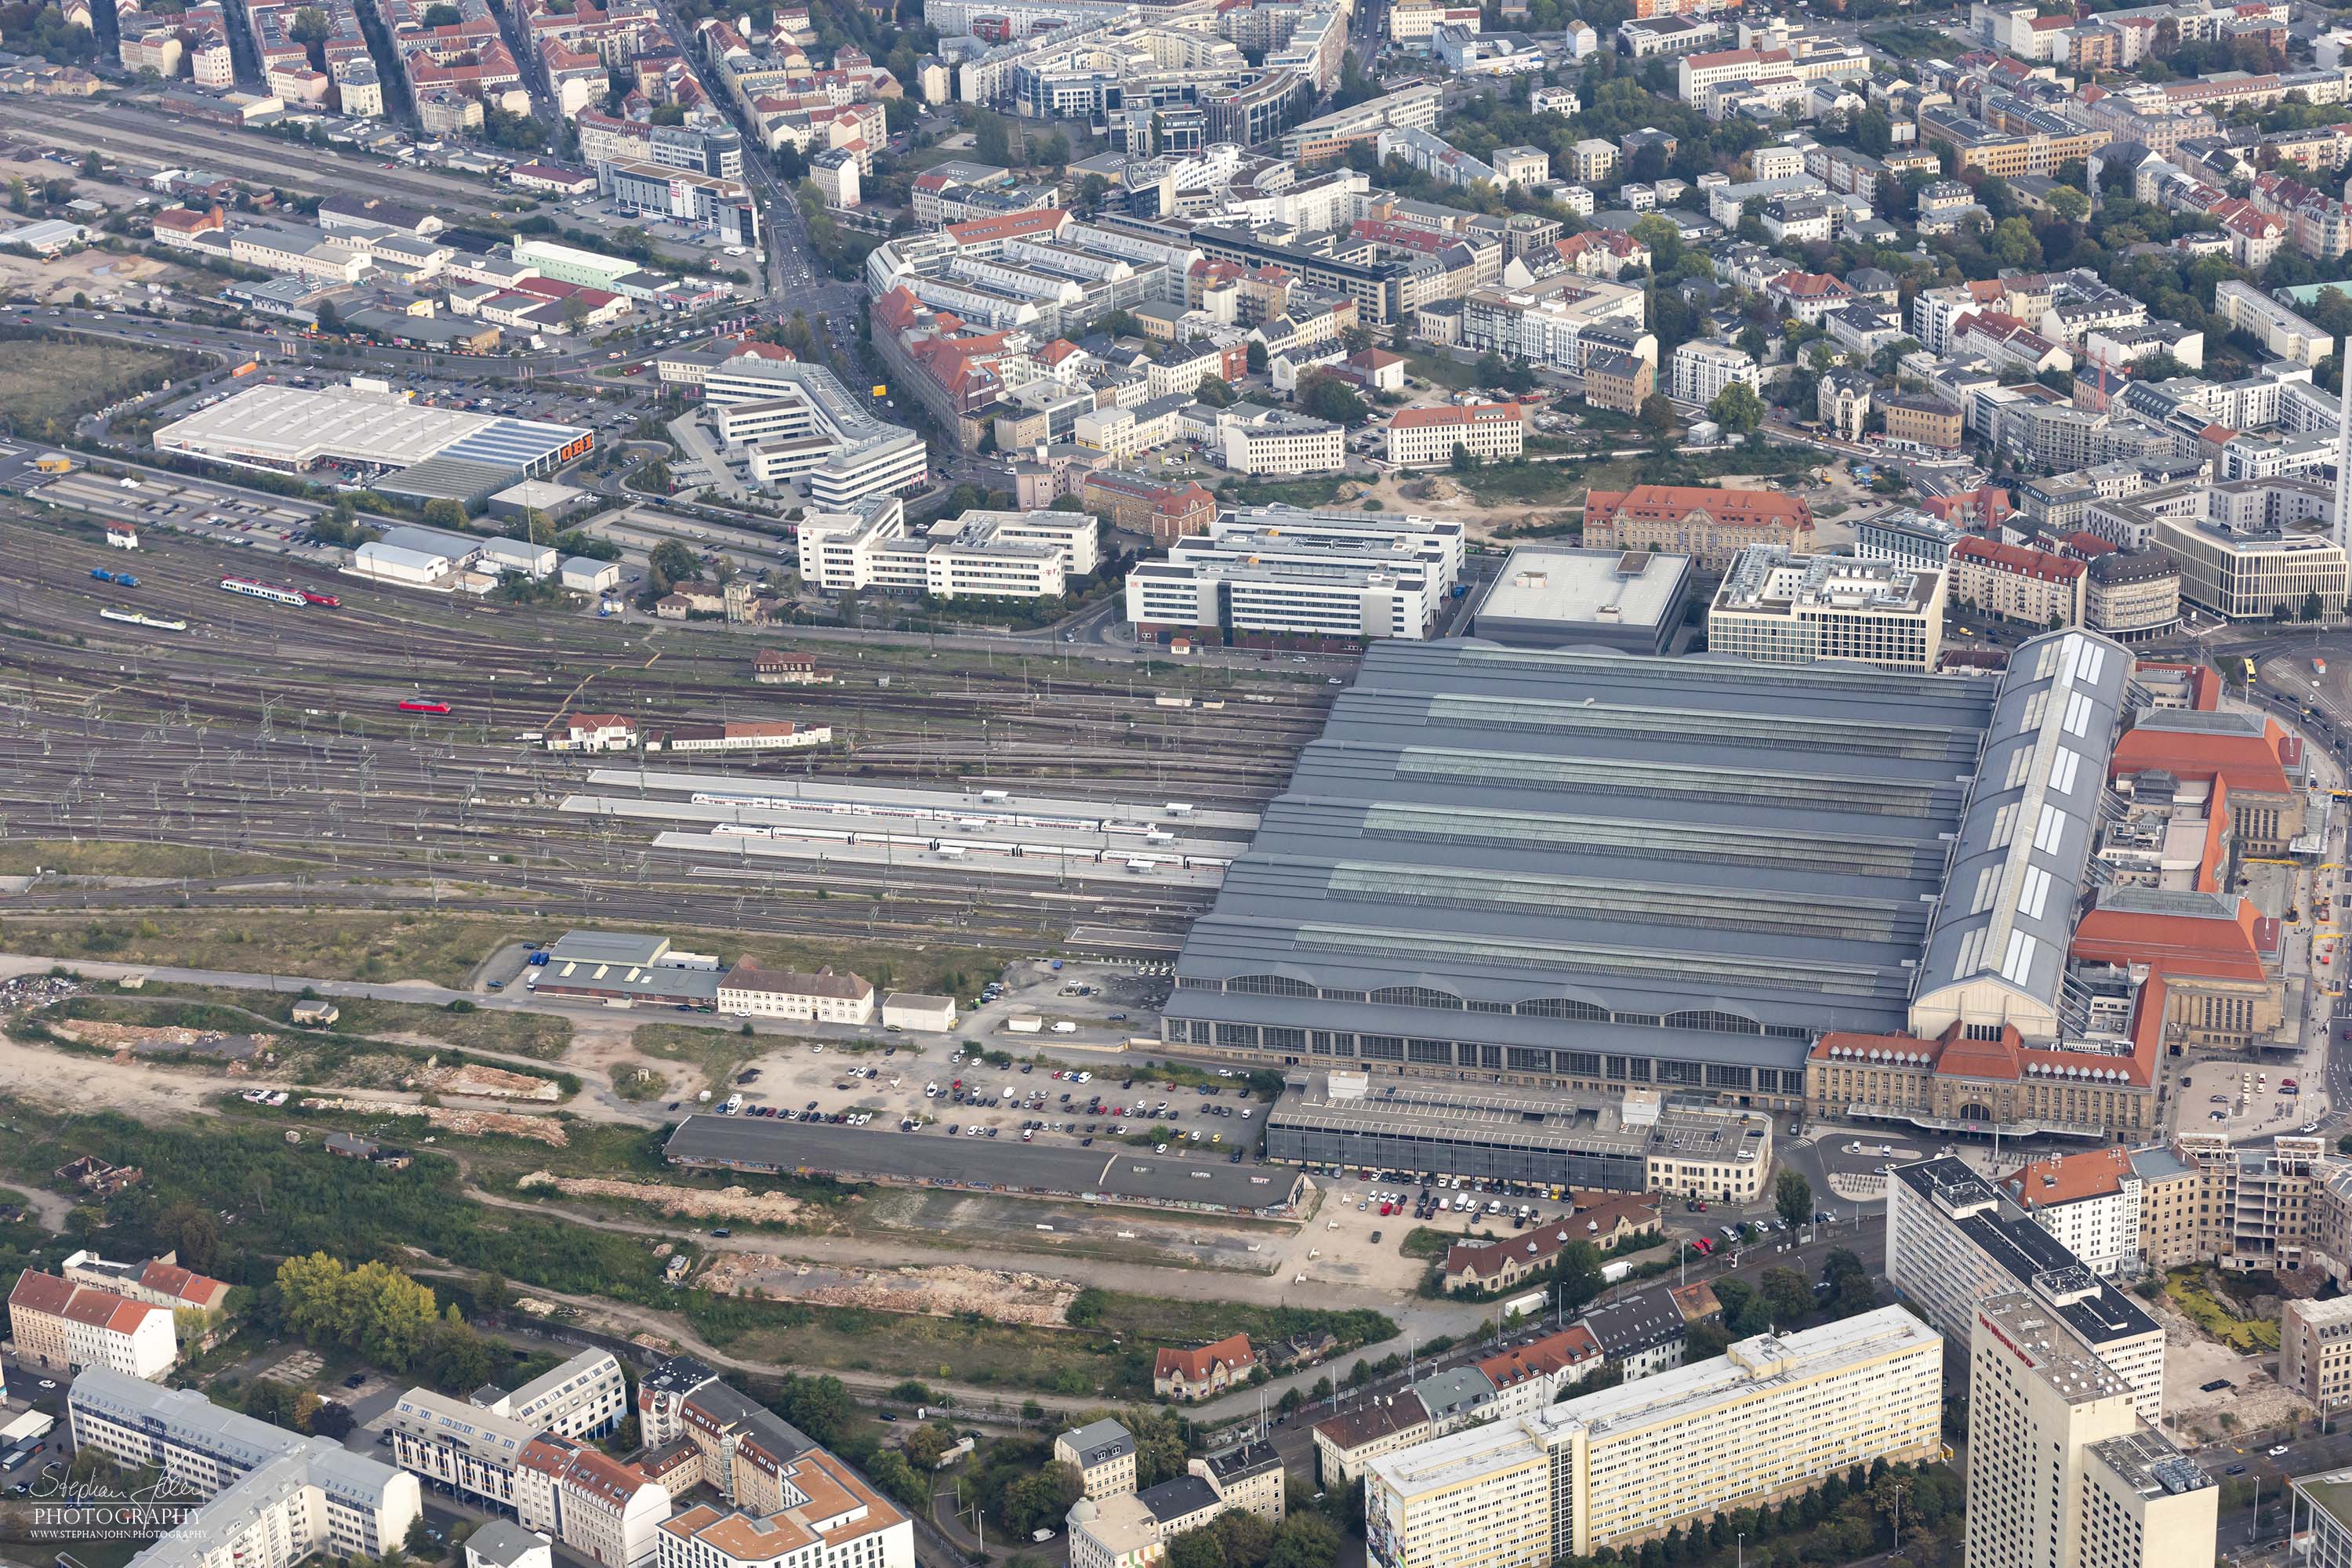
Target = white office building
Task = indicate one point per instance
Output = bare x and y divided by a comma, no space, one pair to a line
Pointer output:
586,1397
1278,573
981,554
809,428
2061,1468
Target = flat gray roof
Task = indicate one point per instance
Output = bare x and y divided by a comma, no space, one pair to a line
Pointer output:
1564,587
1111,1172
1535,848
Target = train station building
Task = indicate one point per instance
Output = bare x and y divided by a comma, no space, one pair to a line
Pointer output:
1597,874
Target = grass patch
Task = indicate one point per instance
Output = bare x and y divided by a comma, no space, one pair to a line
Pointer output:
537,1035
1426,1241
1442,371
1314,490
23,857
1112,1357
2185,1288
440,948
1907,41
44,379
716,1054
636,1080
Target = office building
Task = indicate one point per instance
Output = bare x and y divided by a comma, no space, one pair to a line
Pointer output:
601,1508
810,428
1264,575
1908,538
1768,1419
1560,596
1347,1444
458,1447
1283,444
1953,1240
270,1496
985,555
1776,607
2133,597
824,1517
2249,573
2063,1466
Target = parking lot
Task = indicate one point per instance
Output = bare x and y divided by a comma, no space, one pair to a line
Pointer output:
945,1090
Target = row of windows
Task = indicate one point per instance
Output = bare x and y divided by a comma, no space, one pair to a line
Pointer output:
1468,1054
1705,1020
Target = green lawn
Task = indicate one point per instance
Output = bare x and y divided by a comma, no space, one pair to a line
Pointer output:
22,857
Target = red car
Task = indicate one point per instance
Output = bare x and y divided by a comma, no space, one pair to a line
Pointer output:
1703,1246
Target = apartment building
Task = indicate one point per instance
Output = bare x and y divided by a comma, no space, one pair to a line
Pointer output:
586,1397
2038,587
270,1496
750,991
2315,1351
1921,417
60,1326
1530,1377
1701,368
158,1283
1347,1444
2063,1466
1952,1240
1428,438
1284,444
1711,526
1103,1453
2284,333
826,1517
1767,1420
459,1445
601,1508
2257,1208
1776,607
2090,1202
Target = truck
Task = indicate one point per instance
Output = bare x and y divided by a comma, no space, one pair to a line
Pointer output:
1616,1273
1025,1026
734,1103
2319,666
538,958
1531,1305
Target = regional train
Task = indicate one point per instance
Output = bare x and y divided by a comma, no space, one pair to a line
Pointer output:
957,848
422,705
141,618
985,815
296,597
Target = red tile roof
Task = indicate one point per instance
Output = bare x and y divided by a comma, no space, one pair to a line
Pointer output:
1668,503
1455,414
87,1304
1549,1356
2018,559
2219,947
2246,762
1192,1365
1012,225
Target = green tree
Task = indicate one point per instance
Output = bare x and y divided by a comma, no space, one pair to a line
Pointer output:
819,1407
1243,1538
1326,396
1215,391
445,513
310,26
1196,1549
1787,1294
1657,416
1736,408
1664,240
675,562
2070,204
1257,352
2312,608
1793,1197
443,16
193,1234
1305,1539
1576,1275
330,319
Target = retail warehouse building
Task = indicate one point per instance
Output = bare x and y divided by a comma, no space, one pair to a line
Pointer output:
1598,872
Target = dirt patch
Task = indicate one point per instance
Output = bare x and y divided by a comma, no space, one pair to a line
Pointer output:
727,1203
441,1118
1036,1300
153,1040
487,1082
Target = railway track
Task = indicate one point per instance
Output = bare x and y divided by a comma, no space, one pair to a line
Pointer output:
269,730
